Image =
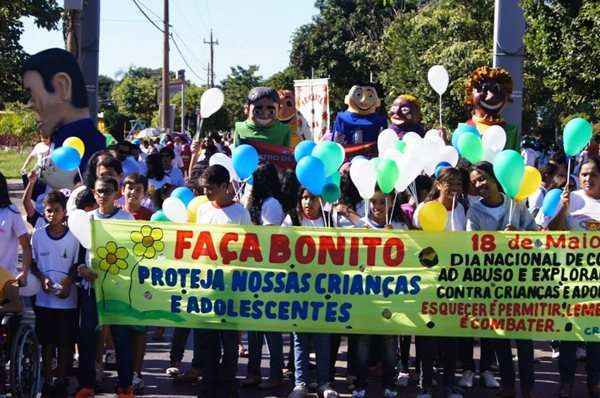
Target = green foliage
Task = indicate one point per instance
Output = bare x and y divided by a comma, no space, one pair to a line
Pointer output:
284,80
46,13
136,97
235,89
105,87
12,161
19,123
115,122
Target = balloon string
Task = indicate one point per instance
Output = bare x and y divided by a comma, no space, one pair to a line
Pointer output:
510,211
366,210
387,211
80,176
414,191
323,213
452,212
440,111
568,173
393,206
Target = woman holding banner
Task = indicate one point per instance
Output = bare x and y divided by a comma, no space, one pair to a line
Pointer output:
580,211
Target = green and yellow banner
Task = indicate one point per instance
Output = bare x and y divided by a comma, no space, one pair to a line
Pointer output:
529,285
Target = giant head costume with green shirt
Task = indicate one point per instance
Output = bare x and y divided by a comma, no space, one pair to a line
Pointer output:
262,105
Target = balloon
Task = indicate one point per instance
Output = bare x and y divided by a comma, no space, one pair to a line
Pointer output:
245,159
387,175
364,177
551,203
412,139
225,161
408,169
433,216
175,210
192,207
470,148
432,146
335,179
532,179
401,146
76,143
438,79
462,129
576,135
303,149
494,138
331,154
449,154
435,135
137,142
386,139
32,288
130,166
311,174
66,158
441,166
330,193
159,215
184,194
489,155
80,227
359,158
210,102
509,168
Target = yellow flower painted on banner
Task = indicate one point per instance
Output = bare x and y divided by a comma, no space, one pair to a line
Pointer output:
148,241
112,257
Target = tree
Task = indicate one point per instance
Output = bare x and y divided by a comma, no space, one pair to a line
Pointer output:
19,124
136,97
46,13
284,80
105,87
235,88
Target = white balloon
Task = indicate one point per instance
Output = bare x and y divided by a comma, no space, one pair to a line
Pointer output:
81,227
412,139
386,139
175,210
32,288
438,79
225,161
210,102
390,153
408,169
448,154
489,154
435,135
431,146
364,177
494,138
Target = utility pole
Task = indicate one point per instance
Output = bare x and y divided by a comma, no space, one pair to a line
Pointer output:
165,116
181,77
89,49
212,43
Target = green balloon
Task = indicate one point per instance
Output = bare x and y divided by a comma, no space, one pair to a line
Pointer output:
509,168
335,178
400,146
331,154
387,175
576,135
330,193
470,147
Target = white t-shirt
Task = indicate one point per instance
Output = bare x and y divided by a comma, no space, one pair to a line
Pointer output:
460,218
271,212
54,258
305,222
157,184
12,227
232,214
584,212
41,151
372,224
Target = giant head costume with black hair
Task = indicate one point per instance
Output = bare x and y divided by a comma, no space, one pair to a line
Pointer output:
405,115
488,90
360,123
58,96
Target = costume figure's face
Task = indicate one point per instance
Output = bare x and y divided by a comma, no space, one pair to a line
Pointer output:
489,96
362,100
403,111
263,112
287,106
49,107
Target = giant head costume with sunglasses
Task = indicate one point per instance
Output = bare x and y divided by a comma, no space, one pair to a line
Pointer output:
488,90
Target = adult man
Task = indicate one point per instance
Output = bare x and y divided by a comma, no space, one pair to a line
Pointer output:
59,98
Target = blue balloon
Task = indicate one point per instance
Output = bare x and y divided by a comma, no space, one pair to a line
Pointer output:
463,128
551,203
184,194
303,149
441,166
245,159
311,174
137,142
130,166
66,158
159,216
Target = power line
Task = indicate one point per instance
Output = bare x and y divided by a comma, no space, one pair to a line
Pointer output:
147,17
183,58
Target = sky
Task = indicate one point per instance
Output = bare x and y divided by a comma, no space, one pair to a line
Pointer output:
250,32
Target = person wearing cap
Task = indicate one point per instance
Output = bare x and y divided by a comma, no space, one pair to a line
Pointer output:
261,123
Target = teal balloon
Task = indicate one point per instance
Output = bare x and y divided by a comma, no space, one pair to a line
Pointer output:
311,174
387,175
304,148
331,193
463,128
66,158
245,160
470,147
158,215
576,135
184,194
331,154
335,179
509,168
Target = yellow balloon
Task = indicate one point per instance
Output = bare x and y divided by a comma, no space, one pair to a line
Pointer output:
75,142
532,179
192,208
433,217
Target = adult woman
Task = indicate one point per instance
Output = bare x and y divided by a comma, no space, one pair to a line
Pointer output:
580,212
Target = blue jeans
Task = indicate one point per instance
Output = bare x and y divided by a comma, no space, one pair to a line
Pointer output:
88,337
301,357
389,358
275,345
219,353
567,362
123,348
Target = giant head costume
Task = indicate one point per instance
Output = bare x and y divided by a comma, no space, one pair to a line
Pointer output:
262,106
287,106
362,99
488,90
405,115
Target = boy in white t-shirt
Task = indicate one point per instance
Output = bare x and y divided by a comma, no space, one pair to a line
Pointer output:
55,251
218,377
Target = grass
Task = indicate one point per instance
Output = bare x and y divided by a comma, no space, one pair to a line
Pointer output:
11,162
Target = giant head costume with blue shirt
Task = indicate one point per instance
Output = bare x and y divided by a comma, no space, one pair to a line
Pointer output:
362,99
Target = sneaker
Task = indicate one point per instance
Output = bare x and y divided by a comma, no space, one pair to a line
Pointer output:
269,384
555,353
466,380
488,380
360,393
173,369
580,353
327,391
85,393
402,379
110,359
125,392
389,393
299,392
137,382
424,393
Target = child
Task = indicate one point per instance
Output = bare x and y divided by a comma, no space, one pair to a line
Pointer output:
218,374
157,177
167,156
55,251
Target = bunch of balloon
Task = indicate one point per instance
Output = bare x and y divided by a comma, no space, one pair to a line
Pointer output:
175,207
68,156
